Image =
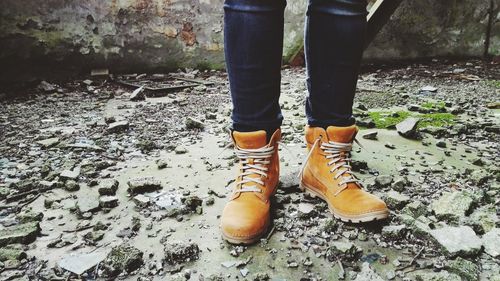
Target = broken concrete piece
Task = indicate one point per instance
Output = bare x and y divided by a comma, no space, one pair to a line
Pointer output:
108,201
436,276
396,200
138,94
343,249
141,201
367,274
108,187
81,263
491,242
47,143
12,252
21,233
192,123
457,241
452,205
466,269
407,128
122,258
118,127
87,204
144,184
370,135
181,252
70,174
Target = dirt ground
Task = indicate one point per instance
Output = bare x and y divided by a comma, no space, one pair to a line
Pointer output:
98,182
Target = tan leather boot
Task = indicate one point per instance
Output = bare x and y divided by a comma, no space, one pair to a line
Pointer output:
327,174
246,217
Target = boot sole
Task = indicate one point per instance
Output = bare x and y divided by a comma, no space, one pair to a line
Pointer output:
368,217
244,241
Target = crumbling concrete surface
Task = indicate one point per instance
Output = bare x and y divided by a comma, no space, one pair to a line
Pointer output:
142,201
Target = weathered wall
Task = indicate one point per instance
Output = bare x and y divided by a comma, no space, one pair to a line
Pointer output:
140,35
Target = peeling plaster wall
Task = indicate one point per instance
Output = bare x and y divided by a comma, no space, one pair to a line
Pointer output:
67,36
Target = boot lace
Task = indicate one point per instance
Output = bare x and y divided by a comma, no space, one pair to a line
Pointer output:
339,155
254,162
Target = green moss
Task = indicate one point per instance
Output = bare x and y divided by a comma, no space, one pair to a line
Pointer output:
385,119
433,105
493,83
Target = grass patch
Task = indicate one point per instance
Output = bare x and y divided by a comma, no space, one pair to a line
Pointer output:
385,119
433,105
493,83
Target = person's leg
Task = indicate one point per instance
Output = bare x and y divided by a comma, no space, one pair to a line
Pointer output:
253,43
335,31
253,36
334,40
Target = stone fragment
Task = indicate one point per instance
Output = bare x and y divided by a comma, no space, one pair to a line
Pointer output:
483,219
491,242
181,252
46,87
180,150
12,252
81,263
122,258
86,204
457,241
436,276
383,180
346,250
408,127
428,88
108,187
192,123
441,143
415,209
21,233
47,143
70,174
108,201
71,185
400,184
367,274
138,94
141,201
452,205
118,127
468,270
161,163
144,184
29,216
370,135
396,200
394,231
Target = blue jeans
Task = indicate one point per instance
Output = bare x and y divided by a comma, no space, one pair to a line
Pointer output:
253,43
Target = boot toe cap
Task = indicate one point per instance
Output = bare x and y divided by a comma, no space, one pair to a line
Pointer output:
239,222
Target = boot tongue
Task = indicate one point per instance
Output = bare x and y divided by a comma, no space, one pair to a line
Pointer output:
250,140
341,134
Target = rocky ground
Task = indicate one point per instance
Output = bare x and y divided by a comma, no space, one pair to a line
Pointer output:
100,182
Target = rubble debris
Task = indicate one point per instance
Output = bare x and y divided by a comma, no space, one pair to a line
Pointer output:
48,143
122,258
46,87
370,135
24,233
144,184
408,128
108,201
118,127
457,240
138,94
367,274
108,187
87,203
181,252
464,268
81,263
12,252
396,200
452,205
70,174
192,123
491,242
345,250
